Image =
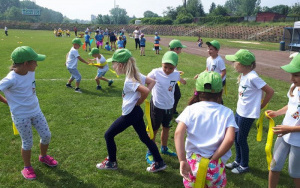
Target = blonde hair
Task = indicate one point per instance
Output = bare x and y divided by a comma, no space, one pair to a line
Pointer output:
131,70
249,67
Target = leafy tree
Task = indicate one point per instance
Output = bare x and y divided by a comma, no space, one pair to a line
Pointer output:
212,7
119,16
106,19
171,13
13,13
6,4
184,18
280,9
220,11
195,8
150,14
295,9
99,19
247,7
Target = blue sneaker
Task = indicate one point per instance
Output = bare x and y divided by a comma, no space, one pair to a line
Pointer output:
99,87
240,170
149,158
167,151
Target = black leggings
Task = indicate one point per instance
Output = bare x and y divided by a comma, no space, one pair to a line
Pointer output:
134,118
137,42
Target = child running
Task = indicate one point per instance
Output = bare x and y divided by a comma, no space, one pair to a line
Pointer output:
162,100
143,44
288,141
87,41
72,59
250,102
102,68
20,91
134,94
210,129
156,43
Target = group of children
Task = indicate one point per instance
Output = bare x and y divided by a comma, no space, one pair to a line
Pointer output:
210,128
60,33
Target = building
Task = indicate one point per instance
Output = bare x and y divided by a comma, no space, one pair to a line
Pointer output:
268,17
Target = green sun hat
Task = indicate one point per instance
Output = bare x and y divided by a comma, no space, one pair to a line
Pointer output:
94,51
209,77
170,57
245,57
26,53
293,66
77,41
120,56
176,44
214,43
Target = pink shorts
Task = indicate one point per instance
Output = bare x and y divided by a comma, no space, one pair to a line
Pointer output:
99,43
215,177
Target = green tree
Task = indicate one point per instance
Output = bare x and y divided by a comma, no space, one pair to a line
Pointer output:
193,7
232,6
119,16
13,13
171,13
220,11
99,19
184,18
6,4
150,14
106,19
247,7
280,9
295,9
212,7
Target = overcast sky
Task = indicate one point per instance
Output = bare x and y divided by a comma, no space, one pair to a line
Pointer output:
83,9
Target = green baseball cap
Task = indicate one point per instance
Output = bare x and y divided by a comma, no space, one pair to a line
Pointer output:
176,44
293,66
77,41
120,56
214,43
209,77
245,57
94,51
26,53
170,57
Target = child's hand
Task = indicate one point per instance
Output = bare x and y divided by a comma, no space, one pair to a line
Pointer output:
282,130
271,113
185,170
196,76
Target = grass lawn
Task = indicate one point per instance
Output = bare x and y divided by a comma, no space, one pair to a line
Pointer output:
78,122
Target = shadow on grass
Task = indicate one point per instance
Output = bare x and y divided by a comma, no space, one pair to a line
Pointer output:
104,92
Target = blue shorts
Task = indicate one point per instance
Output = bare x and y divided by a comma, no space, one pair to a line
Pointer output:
101,73
75,75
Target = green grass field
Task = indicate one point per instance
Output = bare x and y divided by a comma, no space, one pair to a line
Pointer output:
78,122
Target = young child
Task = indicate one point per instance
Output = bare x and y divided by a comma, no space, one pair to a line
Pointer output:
288,140
120,43
87,41
20,91
156,43
124,39
176,46
71,63
107,46
102,69
199,41
134,94
210,129
250,102
143,44
162,100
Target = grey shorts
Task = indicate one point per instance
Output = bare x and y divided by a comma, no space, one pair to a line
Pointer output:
75,75
281,151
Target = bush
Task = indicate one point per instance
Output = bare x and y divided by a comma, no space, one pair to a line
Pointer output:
184,18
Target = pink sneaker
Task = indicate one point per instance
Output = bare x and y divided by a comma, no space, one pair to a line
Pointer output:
48,160
28,173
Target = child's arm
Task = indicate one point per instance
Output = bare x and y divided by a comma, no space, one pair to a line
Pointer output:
182,81
150,83
279,112
82,60
185,169
223,73
226,144
3,99
285,129
269,93
144,93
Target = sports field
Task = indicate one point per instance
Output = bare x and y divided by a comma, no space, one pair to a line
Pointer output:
78,122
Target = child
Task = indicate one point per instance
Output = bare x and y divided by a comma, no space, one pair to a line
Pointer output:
210,129
112,39
71,63
200,42
107,47
124,39
156,43
162,100
87,41
143,44
19,89
250,102
176,46
102,69
137,32
134,94
288,140
68,33
120,43
6,31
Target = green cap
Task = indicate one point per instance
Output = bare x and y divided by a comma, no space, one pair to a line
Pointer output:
170,57
120,56
176,44
245,57
209,77
25,53
293,66
77,41
214,43
94,51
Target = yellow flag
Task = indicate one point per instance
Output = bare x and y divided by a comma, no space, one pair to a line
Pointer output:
149,128
201,174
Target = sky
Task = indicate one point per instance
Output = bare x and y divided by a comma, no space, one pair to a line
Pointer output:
83,9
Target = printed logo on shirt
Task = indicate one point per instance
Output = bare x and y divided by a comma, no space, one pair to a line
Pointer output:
296,115
242,92
172,84
213,68
33,87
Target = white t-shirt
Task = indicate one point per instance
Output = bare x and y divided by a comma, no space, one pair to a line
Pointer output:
130,95
216,65
163,90
136,33
19,91
206,124
102,60
292,118
250,95
72,59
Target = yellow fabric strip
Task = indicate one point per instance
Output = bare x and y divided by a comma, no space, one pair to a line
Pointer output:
15,129
114,73
201,174
259,124
149,128
269,143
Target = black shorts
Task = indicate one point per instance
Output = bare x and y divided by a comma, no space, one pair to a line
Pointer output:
156,47
142,45
160,116
112,39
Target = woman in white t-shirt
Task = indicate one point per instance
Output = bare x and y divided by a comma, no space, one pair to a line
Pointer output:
288,140
134,94
137,32
251,91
